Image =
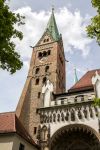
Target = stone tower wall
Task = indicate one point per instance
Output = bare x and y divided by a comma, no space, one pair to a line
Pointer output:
31,98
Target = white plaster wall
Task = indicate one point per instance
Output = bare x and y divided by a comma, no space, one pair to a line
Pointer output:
17,140
6,142
12,142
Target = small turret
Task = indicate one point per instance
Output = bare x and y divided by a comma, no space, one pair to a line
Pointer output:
75,76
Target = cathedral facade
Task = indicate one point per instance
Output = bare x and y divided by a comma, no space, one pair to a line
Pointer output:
56,119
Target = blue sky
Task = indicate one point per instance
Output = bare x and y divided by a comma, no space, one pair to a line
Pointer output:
72,17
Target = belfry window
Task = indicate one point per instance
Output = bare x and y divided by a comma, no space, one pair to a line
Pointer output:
39,55
44,54
46,68
37,81
37,71
49,52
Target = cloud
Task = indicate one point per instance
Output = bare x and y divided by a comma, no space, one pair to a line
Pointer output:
71,26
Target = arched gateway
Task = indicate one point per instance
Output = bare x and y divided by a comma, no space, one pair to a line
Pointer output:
75,137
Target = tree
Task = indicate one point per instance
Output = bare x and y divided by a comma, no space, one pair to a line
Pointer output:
93,30
97,101
9,58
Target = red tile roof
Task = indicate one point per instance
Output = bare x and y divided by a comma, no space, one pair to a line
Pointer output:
9,123
85,82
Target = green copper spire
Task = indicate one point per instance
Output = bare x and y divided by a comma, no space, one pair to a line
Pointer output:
52,27
75,76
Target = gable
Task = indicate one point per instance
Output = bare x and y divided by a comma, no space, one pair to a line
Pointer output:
45,39
85,82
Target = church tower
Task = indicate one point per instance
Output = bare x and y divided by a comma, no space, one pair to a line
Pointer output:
47,62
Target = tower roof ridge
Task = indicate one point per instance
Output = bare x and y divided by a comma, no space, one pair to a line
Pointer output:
52,27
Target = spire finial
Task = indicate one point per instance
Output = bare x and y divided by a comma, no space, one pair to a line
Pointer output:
53,8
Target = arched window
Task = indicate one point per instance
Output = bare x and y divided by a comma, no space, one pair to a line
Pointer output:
47,40
49,52
39,94
44,40
37,81
37,70
46,68
35,130
39,55
44,80
44,54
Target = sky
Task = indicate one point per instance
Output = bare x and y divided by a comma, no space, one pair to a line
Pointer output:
72,17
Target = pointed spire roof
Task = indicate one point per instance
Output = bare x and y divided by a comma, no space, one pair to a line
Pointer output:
75,76
52,27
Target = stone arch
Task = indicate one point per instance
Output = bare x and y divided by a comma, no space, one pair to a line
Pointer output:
75,137
58,117
50,118
54,117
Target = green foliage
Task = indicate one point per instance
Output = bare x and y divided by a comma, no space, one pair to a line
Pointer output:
93,30
9,59
97,101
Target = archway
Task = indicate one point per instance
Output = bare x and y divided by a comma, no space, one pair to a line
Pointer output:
75,137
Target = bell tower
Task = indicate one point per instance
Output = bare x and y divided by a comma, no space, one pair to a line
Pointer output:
47,62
